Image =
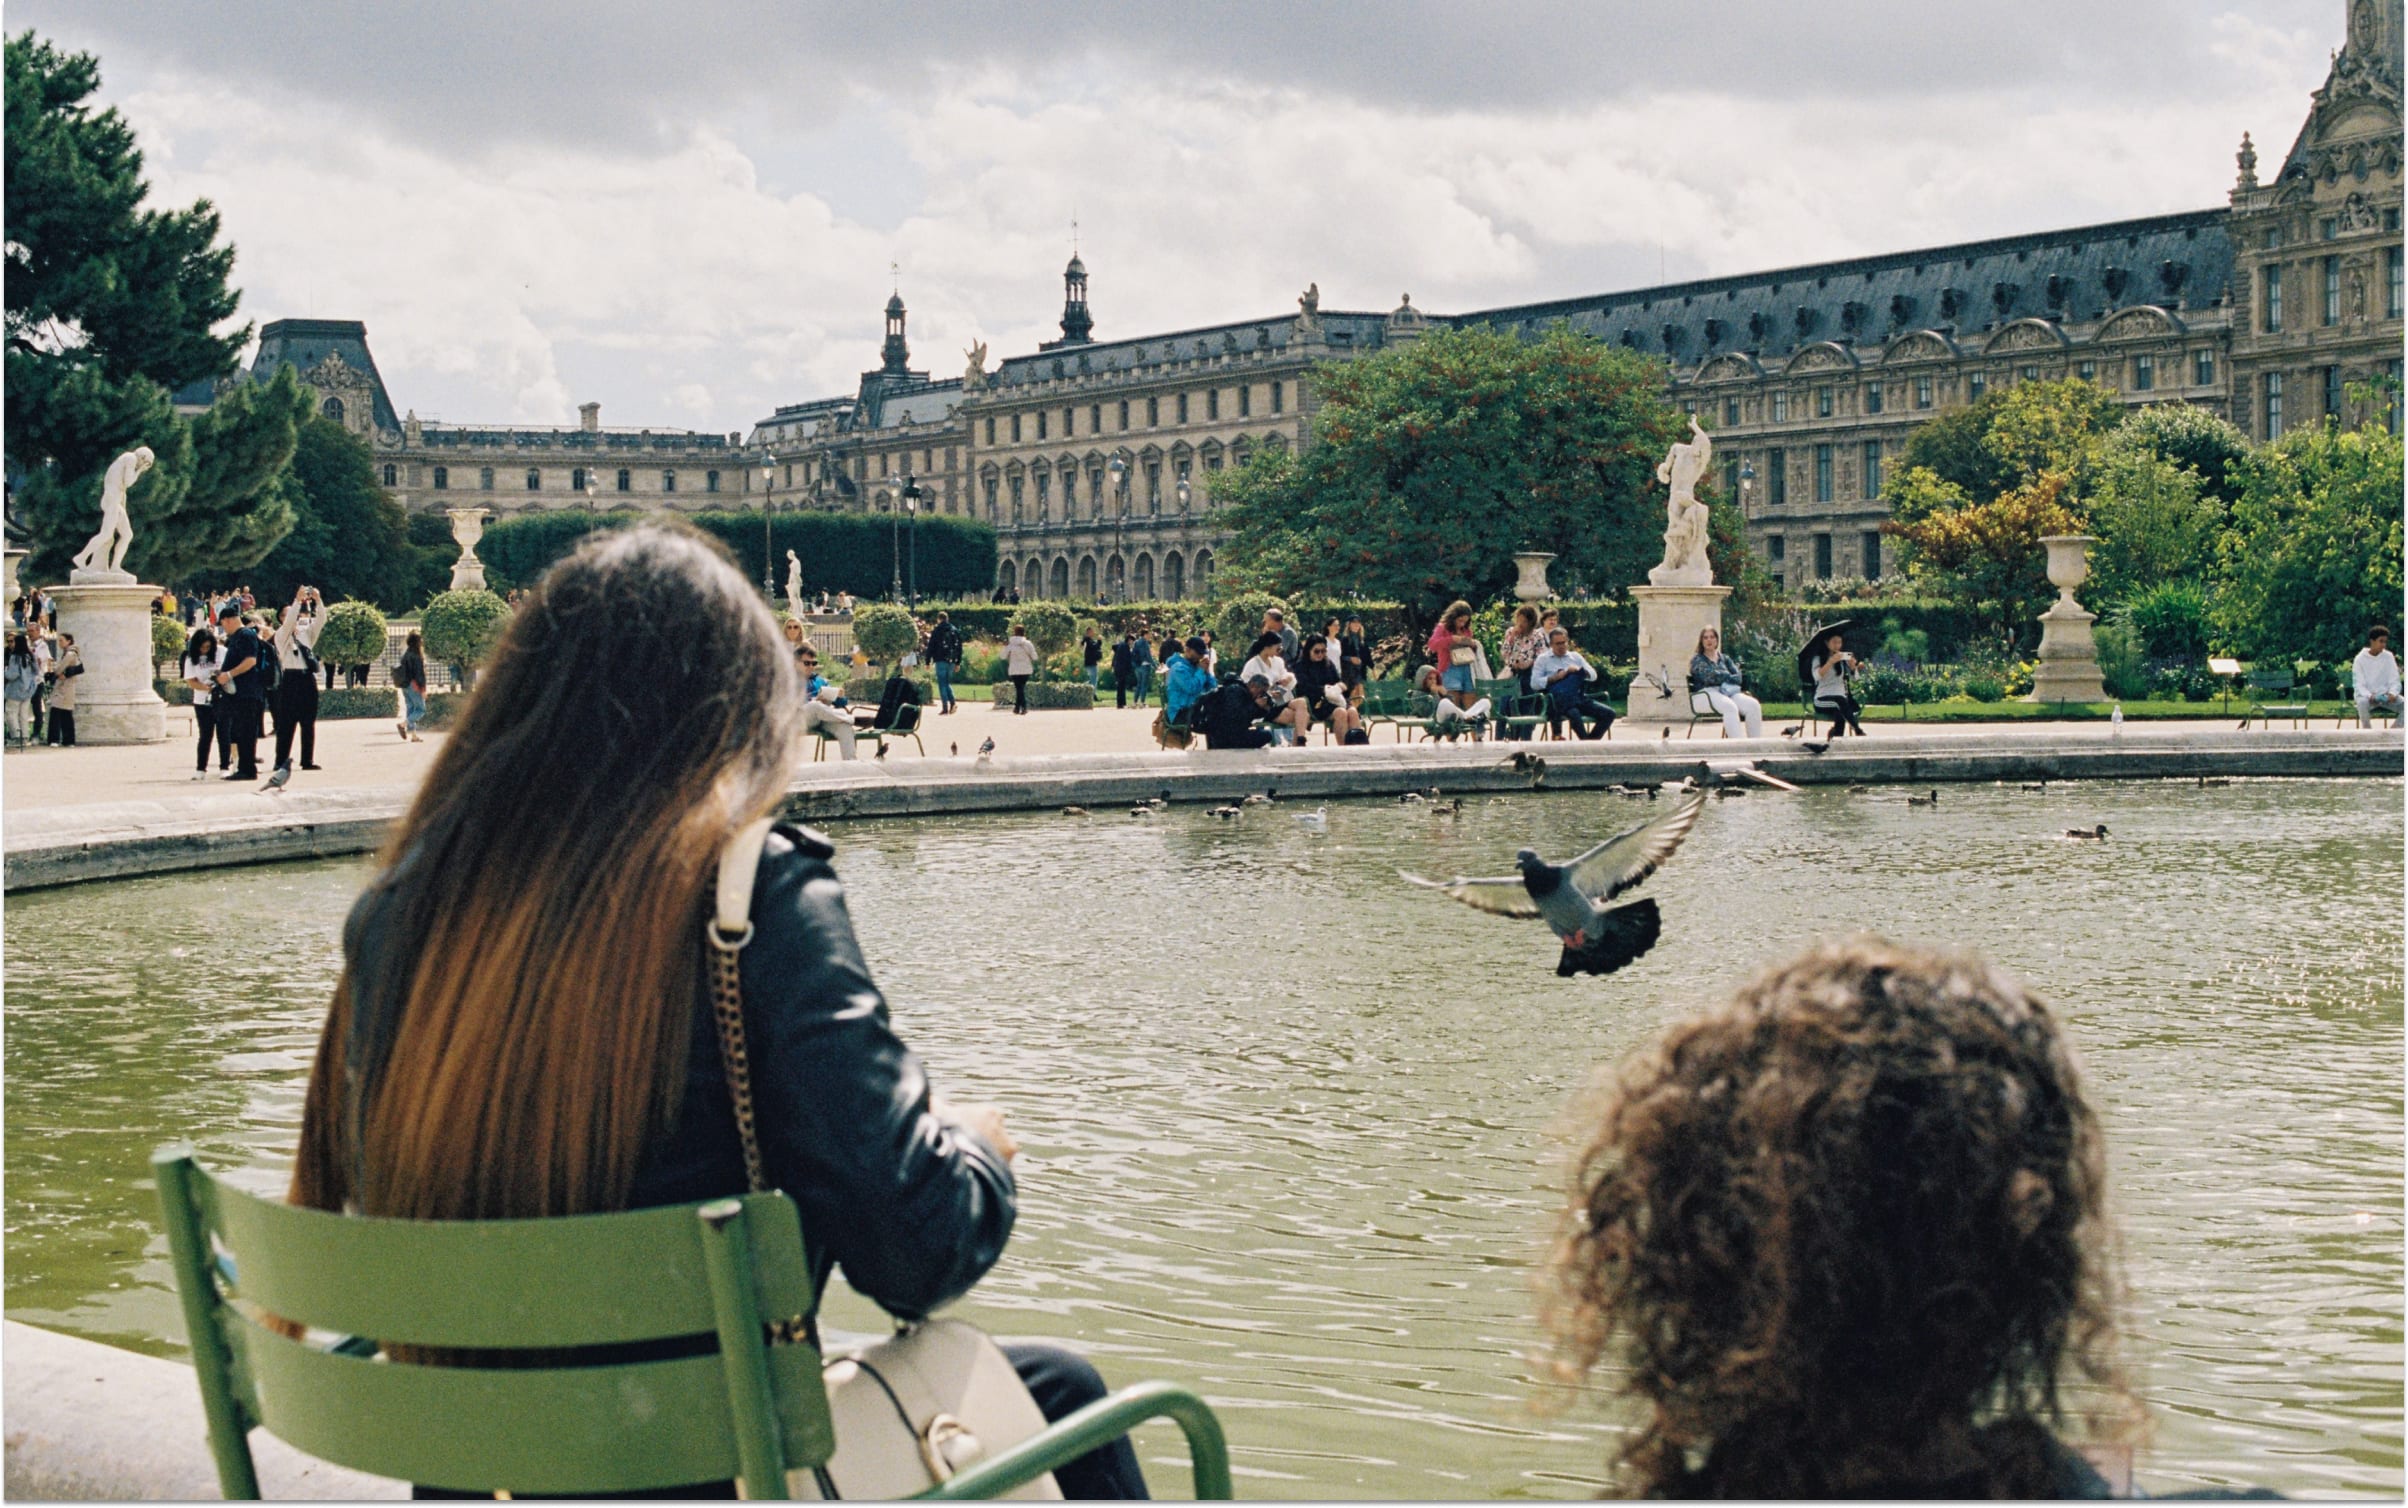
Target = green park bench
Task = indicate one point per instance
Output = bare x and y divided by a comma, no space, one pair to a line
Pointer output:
668,1279
2349,705
2268,691
1511,709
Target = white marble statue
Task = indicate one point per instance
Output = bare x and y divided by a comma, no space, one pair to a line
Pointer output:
105,551
794,584
1684,516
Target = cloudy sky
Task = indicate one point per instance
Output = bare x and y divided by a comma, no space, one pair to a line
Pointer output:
690,212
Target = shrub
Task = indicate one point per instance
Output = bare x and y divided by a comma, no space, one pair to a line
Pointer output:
2171,619
443,708
848,552
462,627
1056,696
2121,663
885,632
1884,685
353,634
1898,642
1983,687
168,638
174,693
1050,626
1240,620
359,701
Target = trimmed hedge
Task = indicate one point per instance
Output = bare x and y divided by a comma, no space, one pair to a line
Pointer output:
443,708
982,619
359,701
841,552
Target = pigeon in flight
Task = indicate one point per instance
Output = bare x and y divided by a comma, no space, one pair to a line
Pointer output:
1570,897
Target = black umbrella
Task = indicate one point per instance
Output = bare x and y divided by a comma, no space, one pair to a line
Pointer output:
1855,637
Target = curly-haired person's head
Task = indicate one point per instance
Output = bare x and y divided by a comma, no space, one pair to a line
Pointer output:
1846,1234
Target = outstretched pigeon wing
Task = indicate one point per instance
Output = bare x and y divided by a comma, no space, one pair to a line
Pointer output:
1618,937
1627,858
1505,897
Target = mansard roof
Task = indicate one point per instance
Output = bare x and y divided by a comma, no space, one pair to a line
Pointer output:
303,343
2179,261
1251,337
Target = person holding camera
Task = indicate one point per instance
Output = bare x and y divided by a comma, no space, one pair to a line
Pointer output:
1290,719
1832,666
296,689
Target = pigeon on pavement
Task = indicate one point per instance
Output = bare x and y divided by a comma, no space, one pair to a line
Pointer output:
277,781
1570,897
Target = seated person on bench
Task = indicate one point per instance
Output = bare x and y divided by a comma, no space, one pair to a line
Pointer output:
1227,716
1715,675
2375,677
1450,717
1565,676
1321,687
1832,667
824,706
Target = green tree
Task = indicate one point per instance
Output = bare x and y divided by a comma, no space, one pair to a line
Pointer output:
350,538
354,633
1050,626
462,627
2154,523
1240,620
1953,447
2313,557
110,307
1435,461
2051,426
1987,557
2185,435
885,632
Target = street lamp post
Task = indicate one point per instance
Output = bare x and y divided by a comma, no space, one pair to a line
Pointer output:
1120,515
887,504
913,493
769,584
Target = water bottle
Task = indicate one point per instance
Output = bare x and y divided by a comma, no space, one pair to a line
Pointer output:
2116,718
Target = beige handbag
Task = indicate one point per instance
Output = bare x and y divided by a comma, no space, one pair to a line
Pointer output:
912,1411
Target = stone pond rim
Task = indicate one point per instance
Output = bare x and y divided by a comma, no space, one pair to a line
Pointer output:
127,840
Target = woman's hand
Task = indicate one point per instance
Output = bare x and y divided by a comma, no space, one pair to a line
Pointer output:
985,1120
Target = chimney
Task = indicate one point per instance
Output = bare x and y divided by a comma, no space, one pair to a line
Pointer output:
589,416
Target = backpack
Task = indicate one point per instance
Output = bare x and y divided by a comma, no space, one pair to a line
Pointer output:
271,664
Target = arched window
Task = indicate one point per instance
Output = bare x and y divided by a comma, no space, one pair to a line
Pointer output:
710,481
1061,577
626,480
534,479
1145,577
1204,573
392,475
1006,578
485,478
1174,577
668,481
442,478
1087,578
1116,579
332,408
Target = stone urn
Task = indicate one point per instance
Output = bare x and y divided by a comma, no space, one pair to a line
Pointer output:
2068,669
1532,587
468,526
15,558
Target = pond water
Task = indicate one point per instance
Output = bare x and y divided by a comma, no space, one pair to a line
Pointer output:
1285,1123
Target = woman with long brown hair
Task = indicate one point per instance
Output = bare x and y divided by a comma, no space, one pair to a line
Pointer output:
1847,1236
522,1025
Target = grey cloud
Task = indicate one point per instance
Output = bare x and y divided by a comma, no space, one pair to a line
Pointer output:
468,74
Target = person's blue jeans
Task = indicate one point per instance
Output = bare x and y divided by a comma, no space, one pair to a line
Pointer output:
413,707
1063,1382
1094,675
1145,683
944,683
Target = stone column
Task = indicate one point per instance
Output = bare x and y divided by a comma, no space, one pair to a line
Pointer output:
109,614
1670,619
2069,657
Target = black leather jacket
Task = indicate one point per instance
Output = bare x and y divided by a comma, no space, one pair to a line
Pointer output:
913,1208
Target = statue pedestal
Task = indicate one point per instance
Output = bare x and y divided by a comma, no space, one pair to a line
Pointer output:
109,614
1670,619
2069,657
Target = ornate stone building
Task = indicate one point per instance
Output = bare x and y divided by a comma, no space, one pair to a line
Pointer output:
1094,459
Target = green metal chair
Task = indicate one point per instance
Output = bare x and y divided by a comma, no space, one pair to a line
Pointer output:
673,1278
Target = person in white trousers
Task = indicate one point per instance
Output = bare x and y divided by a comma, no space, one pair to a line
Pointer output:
1716,676
2375,677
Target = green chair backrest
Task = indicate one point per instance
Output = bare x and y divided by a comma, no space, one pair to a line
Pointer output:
2270,680
691,1285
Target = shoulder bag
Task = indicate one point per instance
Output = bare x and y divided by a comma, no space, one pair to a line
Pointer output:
939,1396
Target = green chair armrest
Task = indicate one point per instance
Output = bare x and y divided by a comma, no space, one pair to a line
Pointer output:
1097,1424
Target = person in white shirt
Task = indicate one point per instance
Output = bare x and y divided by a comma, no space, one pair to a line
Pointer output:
1290,719
2375,677
823,704
1019,663
203,656
296,690
1564,675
